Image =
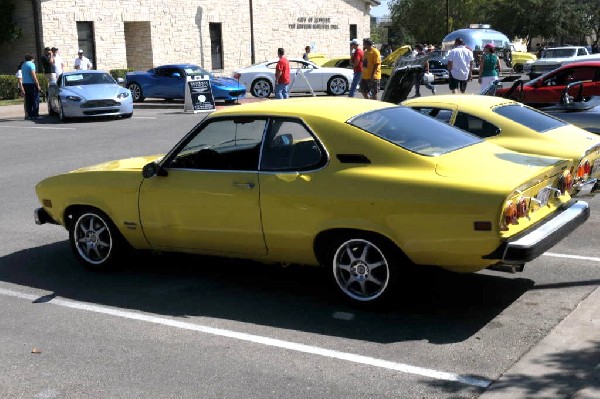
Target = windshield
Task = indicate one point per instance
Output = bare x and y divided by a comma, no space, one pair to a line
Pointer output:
82,79
535,120
415,132
560,53
193,70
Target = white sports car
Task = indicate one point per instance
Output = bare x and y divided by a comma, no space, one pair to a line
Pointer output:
260,78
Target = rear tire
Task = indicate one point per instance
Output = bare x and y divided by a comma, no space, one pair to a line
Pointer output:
337,85
136,92
364,267
261,88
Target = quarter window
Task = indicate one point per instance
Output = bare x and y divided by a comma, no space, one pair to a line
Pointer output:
475,125
291,147
535,120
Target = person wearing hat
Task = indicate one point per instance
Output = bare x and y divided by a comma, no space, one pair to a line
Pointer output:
371,73
82,62
59,64
356,60
460,66
489,66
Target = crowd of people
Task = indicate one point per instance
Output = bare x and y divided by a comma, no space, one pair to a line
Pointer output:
53,66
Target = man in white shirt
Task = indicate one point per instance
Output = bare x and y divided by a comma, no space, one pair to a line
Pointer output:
59,64
82,62
460,66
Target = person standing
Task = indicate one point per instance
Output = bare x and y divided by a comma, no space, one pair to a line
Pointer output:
356,60
82,62
306,53
371,73
31,87
48,64
460,66
489,66
282,75
19,76
424,62
59,64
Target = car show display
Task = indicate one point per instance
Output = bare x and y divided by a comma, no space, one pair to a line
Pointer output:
260,78
168,82
363,188
91,93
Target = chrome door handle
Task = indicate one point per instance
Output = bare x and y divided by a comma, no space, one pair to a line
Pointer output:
249,186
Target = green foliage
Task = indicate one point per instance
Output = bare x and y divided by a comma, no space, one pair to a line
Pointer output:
561,21
9,31
9,89
120,73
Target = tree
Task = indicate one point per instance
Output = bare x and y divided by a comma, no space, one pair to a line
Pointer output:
9,31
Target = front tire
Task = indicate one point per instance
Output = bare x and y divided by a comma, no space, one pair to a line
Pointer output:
337,85
136,92
261,88
95,240
364,268
61,112
518,68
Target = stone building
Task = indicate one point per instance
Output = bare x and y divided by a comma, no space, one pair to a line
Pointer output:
217,35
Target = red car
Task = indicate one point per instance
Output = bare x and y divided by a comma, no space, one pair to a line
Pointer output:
547,89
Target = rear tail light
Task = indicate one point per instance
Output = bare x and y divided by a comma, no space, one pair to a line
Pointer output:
584,169
237,76
565,182
510,213
522,207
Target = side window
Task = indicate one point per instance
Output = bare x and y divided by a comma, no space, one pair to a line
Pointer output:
475,125
229,144
443,115
290,147
583,73
581,52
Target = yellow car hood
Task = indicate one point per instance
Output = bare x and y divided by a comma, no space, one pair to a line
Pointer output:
394,55
120,165
502,167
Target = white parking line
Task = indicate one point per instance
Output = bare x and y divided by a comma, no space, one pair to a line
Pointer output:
38,127
144,117
369,361
593,259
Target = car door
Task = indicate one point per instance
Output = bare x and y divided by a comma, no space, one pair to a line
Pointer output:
208,199
170,82
293,189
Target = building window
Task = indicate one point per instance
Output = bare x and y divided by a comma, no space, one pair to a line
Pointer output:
216,45
353,31
85,40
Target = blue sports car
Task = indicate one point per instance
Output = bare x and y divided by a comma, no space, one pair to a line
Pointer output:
168,82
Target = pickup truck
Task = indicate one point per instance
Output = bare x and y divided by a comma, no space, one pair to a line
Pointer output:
553,58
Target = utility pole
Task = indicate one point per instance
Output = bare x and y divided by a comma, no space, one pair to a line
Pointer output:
447,16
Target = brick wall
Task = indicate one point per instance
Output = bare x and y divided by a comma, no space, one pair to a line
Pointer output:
175,31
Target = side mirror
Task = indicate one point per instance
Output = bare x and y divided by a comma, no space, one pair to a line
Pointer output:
176,75
150,170
120,81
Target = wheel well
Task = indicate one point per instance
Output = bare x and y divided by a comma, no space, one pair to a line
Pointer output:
324,239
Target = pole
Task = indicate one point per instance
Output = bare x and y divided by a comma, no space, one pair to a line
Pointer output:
252,58
447,16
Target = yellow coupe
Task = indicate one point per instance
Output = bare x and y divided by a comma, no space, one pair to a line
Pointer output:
520,128
363,188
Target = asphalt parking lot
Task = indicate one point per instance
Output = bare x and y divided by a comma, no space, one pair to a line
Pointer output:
188,326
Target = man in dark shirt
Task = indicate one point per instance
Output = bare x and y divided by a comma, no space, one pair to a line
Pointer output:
48,63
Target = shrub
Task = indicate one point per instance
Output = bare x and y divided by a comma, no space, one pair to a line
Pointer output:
9,89
120,73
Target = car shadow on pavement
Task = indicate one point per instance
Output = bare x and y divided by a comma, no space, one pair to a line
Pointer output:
437,306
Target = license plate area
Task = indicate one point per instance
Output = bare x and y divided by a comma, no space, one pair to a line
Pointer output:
543,196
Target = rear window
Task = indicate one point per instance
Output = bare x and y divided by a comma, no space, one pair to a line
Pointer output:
529,117
415,132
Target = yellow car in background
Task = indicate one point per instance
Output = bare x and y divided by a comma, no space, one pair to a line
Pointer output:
520,58
520,128
387,64
363,188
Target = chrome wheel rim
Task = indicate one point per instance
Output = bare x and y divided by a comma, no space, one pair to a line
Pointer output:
338,86
361,270
92,238
136,92
262,88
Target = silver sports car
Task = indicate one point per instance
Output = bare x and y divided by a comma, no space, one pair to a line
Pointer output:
87,94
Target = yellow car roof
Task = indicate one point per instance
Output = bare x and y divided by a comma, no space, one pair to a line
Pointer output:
469,100
334,108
